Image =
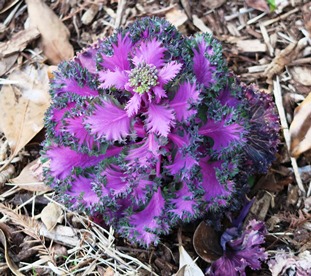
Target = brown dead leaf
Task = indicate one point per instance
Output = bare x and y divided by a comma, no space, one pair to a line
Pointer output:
18,42
12,266
260,207
206,243
7,63
269,183
6,174
51,70
54,34
23,106
27,180
260,5
50,215
214,4
292,195
109,272
59,250
301,74
300,129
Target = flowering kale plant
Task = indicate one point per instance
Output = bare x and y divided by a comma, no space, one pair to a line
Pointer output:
148,128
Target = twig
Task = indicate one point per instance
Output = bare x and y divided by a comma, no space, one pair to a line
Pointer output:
279,104
266,39
281,17
300,61
120,12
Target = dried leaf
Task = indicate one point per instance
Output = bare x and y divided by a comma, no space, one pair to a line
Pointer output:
260,207
18,42
50,215
260,5
306,13
109,272
6,63
188,265
292,195
301,74
27,180
12,266
51,70
6,174
214,4
206,243
23,106
300,130
54,34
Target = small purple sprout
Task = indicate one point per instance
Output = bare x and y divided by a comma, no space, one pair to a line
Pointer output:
241,249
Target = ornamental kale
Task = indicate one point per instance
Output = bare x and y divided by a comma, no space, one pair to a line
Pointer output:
148,128
241,249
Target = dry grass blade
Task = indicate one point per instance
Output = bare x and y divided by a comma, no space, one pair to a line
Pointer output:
31,228
280,107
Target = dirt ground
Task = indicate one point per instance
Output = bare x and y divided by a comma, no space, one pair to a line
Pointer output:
265,45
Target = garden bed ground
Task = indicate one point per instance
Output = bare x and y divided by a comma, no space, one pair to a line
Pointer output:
266,46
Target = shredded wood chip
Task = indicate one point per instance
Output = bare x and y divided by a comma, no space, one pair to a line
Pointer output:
285,57
200,24
251,46
301,74
18,42
176,16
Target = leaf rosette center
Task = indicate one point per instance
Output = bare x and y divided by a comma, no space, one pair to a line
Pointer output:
143,77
